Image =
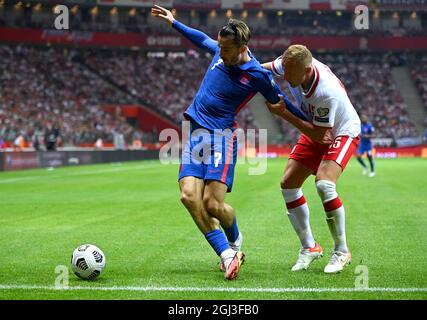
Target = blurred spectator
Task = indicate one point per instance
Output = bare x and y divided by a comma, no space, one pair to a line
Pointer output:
99,144
136,143
38,139
52,137
2,144
119,141
19,142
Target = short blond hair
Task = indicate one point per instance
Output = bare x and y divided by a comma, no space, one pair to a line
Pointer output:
298,53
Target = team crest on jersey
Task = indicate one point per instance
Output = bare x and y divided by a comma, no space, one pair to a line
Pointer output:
323,112
245,79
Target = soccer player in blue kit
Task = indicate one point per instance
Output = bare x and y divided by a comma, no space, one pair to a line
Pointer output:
232,79
365,146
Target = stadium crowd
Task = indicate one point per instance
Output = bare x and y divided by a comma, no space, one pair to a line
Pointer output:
262,22
168,84
67,88
419,74
41,87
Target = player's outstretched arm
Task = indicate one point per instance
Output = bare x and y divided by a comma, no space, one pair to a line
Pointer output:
319,134
197,37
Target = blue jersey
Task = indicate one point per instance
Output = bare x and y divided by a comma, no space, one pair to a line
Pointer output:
225,90
366,128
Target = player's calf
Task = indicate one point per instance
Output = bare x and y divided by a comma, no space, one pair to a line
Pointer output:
335,214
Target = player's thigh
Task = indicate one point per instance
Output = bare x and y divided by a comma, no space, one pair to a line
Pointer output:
214,193
336,158
361,150
328,170
295,174
191,189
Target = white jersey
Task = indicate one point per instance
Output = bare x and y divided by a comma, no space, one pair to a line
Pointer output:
326,103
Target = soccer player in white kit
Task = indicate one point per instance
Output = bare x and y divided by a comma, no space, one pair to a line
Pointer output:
329,138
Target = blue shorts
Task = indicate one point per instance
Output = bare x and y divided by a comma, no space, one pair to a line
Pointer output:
209,155
364,148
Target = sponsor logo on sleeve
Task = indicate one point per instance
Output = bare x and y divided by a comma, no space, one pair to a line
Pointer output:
322,112
324,120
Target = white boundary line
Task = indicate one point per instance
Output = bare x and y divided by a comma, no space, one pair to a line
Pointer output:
207,289
84,172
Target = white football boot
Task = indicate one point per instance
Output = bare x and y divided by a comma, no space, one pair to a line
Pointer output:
307,256
338,261
232,265
236,246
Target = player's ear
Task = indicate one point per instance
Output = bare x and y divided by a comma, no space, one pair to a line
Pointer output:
242,49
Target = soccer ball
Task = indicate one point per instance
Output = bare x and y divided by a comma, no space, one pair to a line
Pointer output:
88,261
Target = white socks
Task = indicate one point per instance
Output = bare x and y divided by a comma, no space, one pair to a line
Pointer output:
299,215
335,214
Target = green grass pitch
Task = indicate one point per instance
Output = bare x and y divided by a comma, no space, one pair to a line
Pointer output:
154,251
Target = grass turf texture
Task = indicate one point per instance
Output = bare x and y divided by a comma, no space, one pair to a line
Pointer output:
133,213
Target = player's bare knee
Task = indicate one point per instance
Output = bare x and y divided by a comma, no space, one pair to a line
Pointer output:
212,206
287,183
326,190
189,199
284,183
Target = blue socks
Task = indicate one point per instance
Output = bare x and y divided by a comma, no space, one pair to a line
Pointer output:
371,162
361,162
232,232
218,241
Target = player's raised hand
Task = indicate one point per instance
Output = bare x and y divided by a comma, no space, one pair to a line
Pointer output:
165,14
277,108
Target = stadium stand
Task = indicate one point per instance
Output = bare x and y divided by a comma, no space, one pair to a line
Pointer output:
419,74
49,85
68,87
266,22
41,86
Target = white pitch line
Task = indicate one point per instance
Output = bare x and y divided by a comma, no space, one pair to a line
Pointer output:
208,289
82,173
